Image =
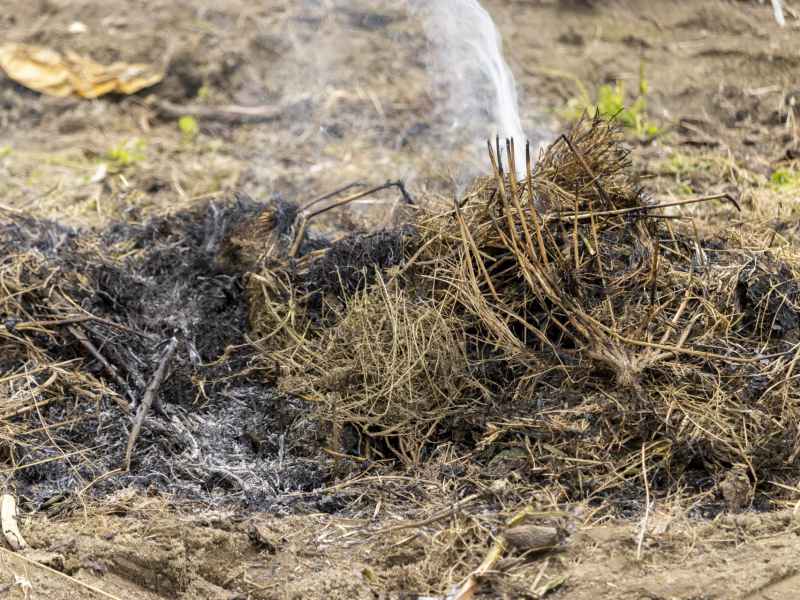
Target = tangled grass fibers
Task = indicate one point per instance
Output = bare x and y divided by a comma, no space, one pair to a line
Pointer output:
384,331
564,313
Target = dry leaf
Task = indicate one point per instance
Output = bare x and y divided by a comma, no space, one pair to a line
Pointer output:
49,72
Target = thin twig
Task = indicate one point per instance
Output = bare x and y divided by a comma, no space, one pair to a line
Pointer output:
398,184
81,336
303,218
230,114
532,204
643,208
149,397
647,507
330,195
36,325
443,514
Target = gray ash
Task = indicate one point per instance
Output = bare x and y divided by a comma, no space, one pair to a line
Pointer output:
352,263
221,434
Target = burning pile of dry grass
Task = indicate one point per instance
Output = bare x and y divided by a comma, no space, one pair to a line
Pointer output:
563,313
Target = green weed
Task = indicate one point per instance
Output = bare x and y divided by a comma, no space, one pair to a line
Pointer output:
126,154
189,127
784,178
204,93
682,165
610,103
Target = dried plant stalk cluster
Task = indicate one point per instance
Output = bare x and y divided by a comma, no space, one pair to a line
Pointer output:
563,313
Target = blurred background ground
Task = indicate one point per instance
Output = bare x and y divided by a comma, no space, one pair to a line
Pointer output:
355,101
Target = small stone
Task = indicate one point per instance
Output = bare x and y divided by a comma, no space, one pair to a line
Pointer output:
736,489
263,538
532,537
76,28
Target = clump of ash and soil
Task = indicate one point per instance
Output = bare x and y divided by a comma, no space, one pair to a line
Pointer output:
549,347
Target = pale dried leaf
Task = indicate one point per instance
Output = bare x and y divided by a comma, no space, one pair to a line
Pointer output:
55,74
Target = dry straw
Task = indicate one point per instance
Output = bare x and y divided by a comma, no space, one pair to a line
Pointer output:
566,313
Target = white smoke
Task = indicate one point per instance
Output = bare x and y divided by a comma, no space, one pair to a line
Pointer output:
466,61
386,89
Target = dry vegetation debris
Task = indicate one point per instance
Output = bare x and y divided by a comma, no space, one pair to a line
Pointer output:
86,318
551,343
564,313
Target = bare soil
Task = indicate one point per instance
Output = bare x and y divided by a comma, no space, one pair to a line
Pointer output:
355,102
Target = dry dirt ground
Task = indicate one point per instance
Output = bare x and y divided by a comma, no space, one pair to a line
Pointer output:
354,101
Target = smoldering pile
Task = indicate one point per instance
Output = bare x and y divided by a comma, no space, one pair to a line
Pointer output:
561,331
564,319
